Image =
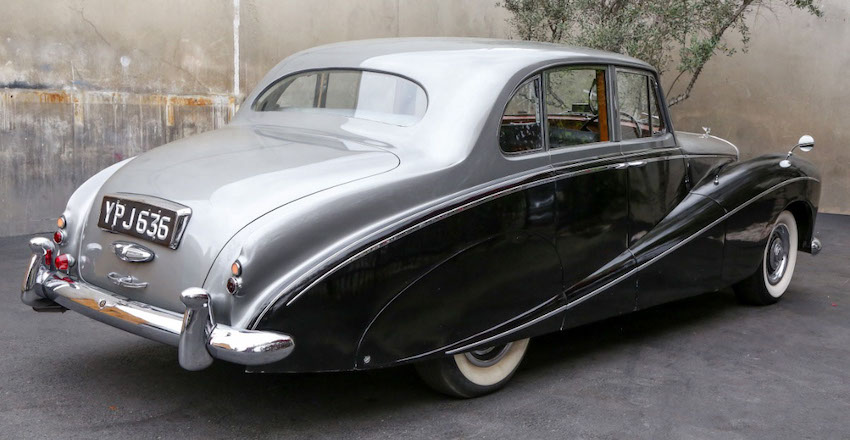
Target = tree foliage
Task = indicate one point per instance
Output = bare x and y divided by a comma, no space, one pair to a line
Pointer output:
652,30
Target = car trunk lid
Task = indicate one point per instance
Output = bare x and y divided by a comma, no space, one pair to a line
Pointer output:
228,178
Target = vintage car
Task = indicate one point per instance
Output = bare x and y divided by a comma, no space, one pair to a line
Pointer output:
426,201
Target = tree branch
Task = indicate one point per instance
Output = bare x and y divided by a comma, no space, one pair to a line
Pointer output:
716,38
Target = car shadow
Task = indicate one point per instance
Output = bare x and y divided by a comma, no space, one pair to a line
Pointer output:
629,329
147,372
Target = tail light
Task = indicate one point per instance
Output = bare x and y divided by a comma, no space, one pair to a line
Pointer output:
64,262
61,222
48,258
233,285
59,236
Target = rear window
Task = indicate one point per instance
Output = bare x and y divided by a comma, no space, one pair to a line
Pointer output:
357,94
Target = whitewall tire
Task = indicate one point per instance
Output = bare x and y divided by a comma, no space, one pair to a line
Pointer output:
779,258
475,373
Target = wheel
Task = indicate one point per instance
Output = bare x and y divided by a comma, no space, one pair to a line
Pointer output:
773,276
475,373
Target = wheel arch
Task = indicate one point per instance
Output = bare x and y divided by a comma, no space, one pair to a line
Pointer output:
804,215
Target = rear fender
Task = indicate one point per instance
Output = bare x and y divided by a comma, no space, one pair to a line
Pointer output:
474,291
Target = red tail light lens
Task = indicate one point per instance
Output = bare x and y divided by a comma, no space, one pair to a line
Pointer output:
64,262
48,258
233,285
59,236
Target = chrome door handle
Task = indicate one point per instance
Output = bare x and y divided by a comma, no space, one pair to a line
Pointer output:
637,163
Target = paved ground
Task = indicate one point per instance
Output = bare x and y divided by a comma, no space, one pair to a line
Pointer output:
700,368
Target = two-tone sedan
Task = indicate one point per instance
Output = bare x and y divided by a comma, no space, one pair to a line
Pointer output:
427,201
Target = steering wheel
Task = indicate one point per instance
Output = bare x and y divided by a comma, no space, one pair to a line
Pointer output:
587,122
638,130
590,98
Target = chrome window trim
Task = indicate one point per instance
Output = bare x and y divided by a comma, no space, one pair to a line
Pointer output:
610,73
355,69
543,144
543,72
662,107
658,104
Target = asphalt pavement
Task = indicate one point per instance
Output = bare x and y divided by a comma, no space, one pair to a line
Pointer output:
701,368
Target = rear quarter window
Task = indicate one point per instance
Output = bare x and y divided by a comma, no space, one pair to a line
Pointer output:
357,94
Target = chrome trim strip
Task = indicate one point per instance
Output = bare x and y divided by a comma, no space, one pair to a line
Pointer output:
629,273
507,332
737,152
475,198
430,220
515,318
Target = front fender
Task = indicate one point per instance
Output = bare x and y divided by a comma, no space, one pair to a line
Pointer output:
753,193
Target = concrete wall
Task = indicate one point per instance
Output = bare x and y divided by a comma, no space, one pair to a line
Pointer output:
85,83
793,81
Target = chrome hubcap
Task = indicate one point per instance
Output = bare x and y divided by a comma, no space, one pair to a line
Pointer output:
777,254
489,356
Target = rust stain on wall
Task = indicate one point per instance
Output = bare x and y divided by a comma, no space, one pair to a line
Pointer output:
52,97
51,141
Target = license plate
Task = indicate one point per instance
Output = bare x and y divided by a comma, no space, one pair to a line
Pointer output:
148,218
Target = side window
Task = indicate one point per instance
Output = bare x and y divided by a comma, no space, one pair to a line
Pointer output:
521,129
576,106
658,126
633,100
301,92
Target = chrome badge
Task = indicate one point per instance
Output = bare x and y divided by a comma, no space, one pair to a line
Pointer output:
132,252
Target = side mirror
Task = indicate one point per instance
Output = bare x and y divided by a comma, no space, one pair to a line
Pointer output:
806,143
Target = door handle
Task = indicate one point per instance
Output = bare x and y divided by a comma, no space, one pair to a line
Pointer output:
637,163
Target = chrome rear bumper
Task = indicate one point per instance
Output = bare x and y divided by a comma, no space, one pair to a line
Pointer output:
198,338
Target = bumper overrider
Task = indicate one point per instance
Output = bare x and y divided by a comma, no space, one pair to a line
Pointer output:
198,338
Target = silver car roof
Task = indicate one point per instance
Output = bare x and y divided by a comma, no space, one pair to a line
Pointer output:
431,61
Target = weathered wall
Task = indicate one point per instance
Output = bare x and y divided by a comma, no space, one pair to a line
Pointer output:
793,81
85,83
